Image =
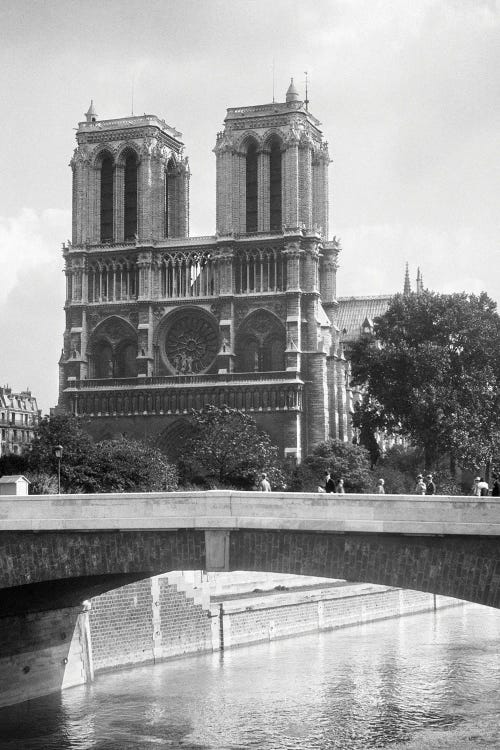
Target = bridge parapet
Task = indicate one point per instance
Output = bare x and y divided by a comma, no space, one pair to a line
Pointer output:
230,510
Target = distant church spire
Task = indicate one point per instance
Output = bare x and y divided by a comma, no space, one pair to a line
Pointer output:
407,286
420,282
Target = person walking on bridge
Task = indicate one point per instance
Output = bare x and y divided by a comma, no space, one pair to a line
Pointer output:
420,487
339,489
495,490
264,485
430,487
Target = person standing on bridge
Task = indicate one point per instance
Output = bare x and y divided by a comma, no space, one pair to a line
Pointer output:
420,487
264,485
475,487
483,487
430,487
380,487
339,489
329,483
495,490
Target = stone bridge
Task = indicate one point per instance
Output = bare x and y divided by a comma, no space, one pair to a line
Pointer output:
58,551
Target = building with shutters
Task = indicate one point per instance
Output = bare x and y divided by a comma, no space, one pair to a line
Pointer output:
19,417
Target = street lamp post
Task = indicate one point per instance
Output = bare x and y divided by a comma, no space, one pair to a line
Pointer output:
58,451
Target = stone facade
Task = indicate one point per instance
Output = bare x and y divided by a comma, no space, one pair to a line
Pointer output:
158,323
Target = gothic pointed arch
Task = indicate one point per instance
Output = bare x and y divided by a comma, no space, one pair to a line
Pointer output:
112,349
125,150
173,438
260,343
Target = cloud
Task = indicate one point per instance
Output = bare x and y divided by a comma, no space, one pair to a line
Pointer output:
28,241
31,301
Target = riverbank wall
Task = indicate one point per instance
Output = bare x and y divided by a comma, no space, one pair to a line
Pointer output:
173,615
179,614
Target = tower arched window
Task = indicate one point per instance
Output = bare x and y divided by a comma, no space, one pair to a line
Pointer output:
251,188
171,199
275,186
130,205
107,193
166,203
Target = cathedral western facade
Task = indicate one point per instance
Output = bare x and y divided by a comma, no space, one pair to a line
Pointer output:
159,323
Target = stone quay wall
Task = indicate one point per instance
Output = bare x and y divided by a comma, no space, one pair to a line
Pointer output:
174,615
179,614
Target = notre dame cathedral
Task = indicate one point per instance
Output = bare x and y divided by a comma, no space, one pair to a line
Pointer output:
159,323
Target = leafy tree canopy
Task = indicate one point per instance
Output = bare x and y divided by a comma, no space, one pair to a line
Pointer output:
433,374
126,465
122,465
399,467
227,448
344,460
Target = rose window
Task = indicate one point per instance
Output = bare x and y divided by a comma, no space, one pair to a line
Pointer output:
191,343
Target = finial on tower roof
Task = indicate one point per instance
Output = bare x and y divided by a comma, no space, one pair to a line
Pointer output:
407,286
91,115
292,95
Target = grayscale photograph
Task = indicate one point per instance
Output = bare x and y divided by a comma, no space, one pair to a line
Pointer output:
249,258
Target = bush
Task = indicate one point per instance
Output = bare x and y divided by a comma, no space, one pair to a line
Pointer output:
42,483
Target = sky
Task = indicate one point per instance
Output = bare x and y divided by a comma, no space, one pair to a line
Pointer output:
408,94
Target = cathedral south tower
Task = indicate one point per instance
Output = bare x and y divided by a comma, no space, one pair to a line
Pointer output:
159,323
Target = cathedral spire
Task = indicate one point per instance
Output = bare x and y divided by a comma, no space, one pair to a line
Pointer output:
420,282
407,285
91,115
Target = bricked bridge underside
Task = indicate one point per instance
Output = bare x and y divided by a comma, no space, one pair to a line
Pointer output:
58,551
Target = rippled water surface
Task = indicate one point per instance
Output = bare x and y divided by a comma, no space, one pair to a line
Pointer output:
429,681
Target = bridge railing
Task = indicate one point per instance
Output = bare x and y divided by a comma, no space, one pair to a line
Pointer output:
229,510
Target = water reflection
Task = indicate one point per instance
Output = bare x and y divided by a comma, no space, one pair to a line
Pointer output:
428,681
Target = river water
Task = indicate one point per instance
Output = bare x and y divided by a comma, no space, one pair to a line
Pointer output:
421,682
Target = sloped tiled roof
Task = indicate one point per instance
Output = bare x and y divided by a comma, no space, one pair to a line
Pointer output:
353,311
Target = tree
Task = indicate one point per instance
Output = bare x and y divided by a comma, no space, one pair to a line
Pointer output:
430,373
126,465
344,460
122,465
78,472
227,448
12,463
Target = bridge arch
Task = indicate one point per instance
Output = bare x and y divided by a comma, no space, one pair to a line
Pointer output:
53,570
